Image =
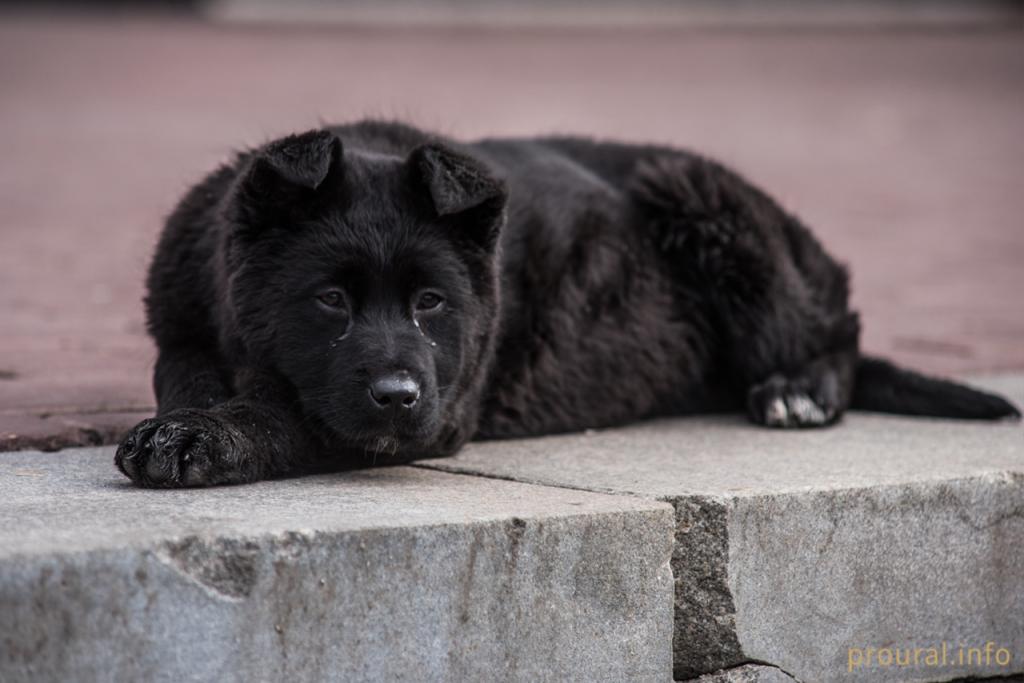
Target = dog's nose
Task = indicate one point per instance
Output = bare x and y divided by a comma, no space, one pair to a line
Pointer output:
396,392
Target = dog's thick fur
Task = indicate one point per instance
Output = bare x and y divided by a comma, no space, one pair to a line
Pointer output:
501,288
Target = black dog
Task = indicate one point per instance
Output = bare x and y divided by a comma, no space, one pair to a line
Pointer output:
373,289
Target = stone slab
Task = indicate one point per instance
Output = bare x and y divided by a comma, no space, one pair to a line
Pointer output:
794,547
393,574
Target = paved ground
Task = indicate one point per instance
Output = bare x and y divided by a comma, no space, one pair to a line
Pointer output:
902,149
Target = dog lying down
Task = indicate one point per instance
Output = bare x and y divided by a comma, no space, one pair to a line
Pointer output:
372,291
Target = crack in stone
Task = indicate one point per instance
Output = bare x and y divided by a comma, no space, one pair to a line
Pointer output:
759,662
747,671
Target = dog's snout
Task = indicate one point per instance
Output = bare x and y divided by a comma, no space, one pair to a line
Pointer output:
398,391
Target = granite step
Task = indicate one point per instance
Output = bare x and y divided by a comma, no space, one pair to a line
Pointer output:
398,574
808,556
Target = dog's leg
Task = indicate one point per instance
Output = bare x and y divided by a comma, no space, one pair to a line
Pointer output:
190,377
200,437
776,300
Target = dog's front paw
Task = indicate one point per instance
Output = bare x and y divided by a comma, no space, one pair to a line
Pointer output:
182,448
785,402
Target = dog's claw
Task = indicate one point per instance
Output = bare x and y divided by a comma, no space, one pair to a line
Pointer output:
782,402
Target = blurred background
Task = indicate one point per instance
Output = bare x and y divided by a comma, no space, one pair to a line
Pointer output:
894,129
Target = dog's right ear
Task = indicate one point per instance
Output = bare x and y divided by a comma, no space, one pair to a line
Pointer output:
288,175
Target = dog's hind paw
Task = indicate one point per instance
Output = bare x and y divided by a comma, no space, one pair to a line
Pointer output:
180,449
783,402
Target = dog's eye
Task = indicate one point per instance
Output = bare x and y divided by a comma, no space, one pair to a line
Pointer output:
429,301
332,298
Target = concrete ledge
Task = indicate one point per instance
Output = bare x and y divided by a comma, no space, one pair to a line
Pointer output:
394,574
791,548
787,550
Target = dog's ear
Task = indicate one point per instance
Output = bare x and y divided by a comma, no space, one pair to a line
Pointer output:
289,173
305,161
461,191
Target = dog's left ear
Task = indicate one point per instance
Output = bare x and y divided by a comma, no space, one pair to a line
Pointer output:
287,177
303,160
462,190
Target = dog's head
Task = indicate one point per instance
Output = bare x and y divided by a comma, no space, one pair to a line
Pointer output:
368,281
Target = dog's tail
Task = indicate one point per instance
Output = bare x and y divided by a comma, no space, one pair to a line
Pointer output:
883,387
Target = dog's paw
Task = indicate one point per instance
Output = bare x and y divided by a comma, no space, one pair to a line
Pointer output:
797,402
182,448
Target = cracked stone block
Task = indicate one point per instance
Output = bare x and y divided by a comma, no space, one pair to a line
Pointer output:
800,548
392,574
